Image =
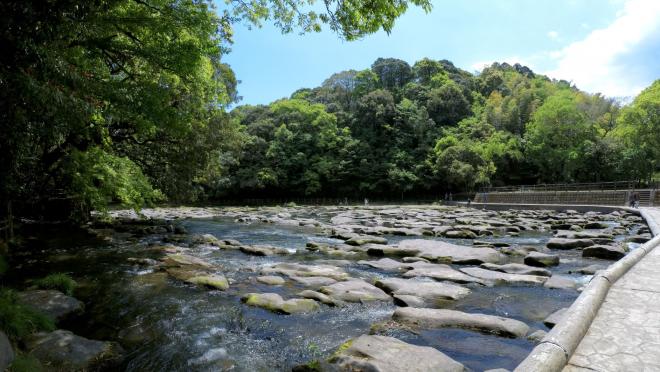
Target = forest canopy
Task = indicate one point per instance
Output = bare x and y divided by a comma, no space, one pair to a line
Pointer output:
130,102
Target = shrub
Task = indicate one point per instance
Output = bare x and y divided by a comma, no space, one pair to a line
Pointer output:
60,281
25,363
18,320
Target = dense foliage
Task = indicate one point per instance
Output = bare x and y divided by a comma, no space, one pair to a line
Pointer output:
433,128
124,100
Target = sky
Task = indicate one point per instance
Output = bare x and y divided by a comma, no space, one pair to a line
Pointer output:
602,46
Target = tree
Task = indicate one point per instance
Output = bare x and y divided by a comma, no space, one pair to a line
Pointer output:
447,105
392,73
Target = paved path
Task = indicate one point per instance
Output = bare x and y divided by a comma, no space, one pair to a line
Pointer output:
625,335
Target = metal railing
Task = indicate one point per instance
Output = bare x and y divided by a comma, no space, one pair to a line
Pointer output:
593,186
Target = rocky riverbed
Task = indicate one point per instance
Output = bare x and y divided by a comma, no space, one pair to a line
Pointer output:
332,288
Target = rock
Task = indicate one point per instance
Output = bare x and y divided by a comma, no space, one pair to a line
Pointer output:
441,318
366,239
386,264
565,243
62,350
205,239
263,250
539,259
595,225
516,268
411,300
436,250
6,352
387,354
460,234
503,278
431,291
184,260
555,317
642,238
441,272
300,270
388,250
52,303
178,229
537,335
607,252
313,281
275,303
271,280
560,282
318,296
355,290
211,280
520,251
588,270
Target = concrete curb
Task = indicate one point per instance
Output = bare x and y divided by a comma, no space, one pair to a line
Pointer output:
557,347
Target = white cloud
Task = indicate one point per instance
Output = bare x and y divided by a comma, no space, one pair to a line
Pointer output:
596,63
553,35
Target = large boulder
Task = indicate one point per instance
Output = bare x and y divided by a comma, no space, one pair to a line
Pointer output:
516,268
355,290
271,280
386,264
366,239
63,351
428,292
440,272
375,353
539,259
184,260
565,243
6,352
498,277
607,252
275,303
442,318
52,303
318,296
313,281
436,250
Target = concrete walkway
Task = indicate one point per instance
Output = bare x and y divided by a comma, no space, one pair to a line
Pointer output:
625,335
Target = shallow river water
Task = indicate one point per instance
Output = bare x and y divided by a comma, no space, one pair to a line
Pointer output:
166,324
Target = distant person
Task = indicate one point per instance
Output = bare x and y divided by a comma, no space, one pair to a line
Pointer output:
451,197
469,202
446,196
631,199
366,202
636,200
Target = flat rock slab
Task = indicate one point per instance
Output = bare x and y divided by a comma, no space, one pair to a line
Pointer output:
442,318
588,270
313,281
564,243
65,351
539,259
436,250
560,282
300,270
366,239
184,260
216,281
52,303
275,303
441,272
555,317
355,290
606,252
497,277
263,250
387,354
386,264
516,268
271,280
318,296
431,291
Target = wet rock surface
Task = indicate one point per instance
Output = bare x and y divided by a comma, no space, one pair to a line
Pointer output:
52,303
301,281
63,350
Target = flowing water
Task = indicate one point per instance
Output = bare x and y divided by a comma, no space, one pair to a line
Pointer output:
165,324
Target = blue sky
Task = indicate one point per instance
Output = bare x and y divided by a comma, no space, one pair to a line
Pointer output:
607,46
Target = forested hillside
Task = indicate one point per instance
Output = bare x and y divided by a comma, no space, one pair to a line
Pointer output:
429,128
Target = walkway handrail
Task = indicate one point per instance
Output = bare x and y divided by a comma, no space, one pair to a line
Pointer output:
616,185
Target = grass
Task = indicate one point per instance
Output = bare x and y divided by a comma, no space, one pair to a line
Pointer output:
59,281
17,320
25,363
